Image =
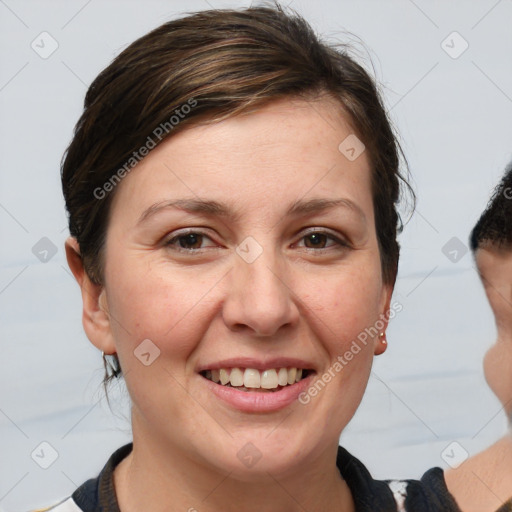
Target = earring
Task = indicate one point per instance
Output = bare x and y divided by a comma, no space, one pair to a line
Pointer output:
109,368
382,345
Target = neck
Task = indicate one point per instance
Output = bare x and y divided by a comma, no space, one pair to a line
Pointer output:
154,479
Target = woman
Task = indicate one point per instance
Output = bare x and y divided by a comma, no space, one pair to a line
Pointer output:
231,189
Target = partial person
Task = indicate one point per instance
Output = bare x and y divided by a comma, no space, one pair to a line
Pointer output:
485,480
232,190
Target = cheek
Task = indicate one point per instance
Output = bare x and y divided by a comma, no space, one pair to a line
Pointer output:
348,320
171,312
346,305
168,308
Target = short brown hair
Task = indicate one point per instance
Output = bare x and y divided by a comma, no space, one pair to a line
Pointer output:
226,61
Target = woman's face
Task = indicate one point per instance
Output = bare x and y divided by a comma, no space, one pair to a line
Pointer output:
248,244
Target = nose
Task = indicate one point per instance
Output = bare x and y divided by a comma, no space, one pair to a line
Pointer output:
260,298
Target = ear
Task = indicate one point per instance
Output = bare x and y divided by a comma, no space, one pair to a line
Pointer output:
387,292
95,315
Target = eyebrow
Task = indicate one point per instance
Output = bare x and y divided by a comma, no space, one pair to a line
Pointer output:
214,208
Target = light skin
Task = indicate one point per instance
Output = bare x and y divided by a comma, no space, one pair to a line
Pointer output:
484,481
206,303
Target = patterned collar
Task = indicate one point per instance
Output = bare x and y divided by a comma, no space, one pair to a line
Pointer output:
429,495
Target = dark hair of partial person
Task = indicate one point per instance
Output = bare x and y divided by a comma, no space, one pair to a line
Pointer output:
229,62
494,227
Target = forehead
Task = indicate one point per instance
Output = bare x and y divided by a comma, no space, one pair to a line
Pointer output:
288,148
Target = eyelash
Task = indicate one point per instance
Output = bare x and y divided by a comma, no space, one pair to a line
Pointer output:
338,242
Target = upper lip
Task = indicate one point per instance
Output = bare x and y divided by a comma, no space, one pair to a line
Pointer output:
257,364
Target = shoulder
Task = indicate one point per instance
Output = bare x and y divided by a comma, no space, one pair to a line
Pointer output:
429,494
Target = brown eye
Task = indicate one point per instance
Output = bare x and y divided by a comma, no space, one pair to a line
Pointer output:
317,240
321,240
190,241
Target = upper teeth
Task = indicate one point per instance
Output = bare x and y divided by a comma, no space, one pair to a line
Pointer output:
251,378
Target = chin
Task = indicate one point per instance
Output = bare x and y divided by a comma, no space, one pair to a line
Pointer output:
253,456
255,465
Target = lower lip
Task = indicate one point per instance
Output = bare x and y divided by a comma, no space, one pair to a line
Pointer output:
259,401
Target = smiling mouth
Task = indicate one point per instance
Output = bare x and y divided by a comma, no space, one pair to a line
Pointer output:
250,379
